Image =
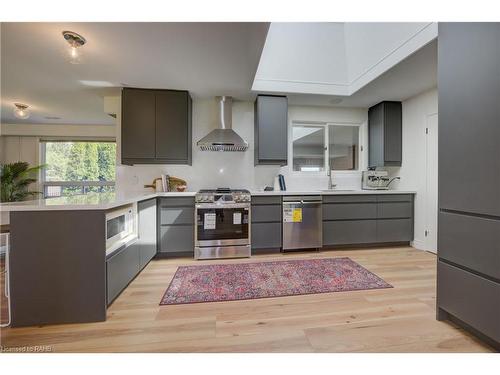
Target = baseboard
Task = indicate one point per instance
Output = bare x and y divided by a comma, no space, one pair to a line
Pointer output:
481,336
418,244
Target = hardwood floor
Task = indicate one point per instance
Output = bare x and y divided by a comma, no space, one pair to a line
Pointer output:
401,319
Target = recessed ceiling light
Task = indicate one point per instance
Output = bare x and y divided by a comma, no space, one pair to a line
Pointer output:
21,111
75,41
97,83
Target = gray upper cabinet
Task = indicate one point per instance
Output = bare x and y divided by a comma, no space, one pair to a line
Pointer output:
385,134
138,125
469,117
271,130
156,126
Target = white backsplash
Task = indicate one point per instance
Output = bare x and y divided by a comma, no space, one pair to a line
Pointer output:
226,169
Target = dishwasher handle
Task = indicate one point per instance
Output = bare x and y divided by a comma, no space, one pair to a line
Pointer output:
302,202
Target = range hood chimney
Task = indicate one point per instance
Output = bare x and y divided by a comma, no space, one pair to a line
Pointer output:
224,138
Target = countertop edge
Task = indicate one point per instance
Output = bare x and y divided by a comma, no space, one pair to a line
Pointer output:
138,198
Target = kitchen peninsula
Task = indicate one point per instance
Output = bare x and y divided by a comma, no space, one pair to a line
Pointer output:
62,272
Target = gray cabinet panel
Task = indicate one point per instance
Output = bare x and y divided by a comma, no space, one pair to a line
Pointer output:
177,202
344,211
376,135
349,198
469,117
387,210
349,232
176,215
271,130
472,242
394,230
121,268
385,134
138,124
266,213
275,199
395,198
393,133
147,231
172,126
470,298
176,238
57,267
266,235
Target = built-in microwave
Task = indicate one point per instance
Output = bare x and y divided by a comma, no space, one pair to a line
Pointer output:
121,227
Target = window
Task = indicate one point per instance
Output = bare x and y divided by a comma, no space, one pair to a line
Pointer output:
77,167
308,148
317,147
343,144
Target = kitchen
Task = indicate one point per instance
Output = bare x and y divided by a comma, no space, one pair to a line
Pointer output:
255,179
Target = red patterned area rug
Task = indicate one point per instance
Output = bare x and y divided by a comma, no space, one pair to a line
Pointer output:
241,281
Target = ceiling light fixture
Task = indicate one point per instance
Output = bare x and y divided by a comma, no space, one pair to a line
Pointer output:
21,111
75,41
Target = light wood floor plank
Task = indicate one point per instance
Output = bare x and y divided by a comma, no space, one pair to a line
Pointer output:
399,319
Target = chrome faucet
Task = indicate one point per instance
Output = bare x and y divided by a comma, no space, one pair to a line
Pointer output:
331,185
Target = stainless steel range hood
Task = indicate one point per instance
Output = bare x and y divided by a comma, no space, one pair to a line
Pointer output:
224,138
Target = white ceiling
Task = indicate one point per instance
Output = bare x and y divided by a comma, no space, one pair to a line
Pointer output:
414,75
207,59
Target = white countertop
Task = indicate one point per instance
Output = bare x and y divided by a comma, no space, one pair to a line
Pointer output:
106,201
91,201
332,192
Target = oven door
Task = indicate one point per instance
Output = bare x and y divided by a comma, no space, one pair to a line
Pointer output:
222,225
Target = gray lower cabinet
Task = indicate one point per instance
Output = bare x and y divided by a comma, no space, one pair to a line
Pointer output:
176,226
266,223
346,232
362,219
125,264
471,298
394,230
121,268
266,236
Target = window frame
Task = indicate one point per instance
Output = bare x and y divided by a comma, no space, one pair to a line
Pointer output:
326,125
43,173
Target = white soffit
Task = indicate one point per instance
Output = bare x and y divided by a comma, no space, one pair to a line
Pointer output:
335,58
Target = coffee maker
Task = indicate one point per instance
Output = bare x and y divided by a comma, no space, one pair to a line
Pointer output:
376,180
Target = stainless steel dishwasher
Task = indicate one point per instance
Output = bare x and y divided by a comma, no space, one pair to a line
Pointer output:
302,222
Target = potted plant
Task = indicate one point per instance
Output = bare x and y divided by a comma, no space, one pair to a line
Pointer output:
15,179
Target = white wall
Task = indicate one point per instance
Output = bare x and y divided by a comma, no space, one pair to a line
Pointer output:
413,169
304,55
231,169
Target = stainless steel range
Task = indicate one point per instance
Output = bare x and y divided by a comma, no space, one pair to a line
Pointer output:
222,224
